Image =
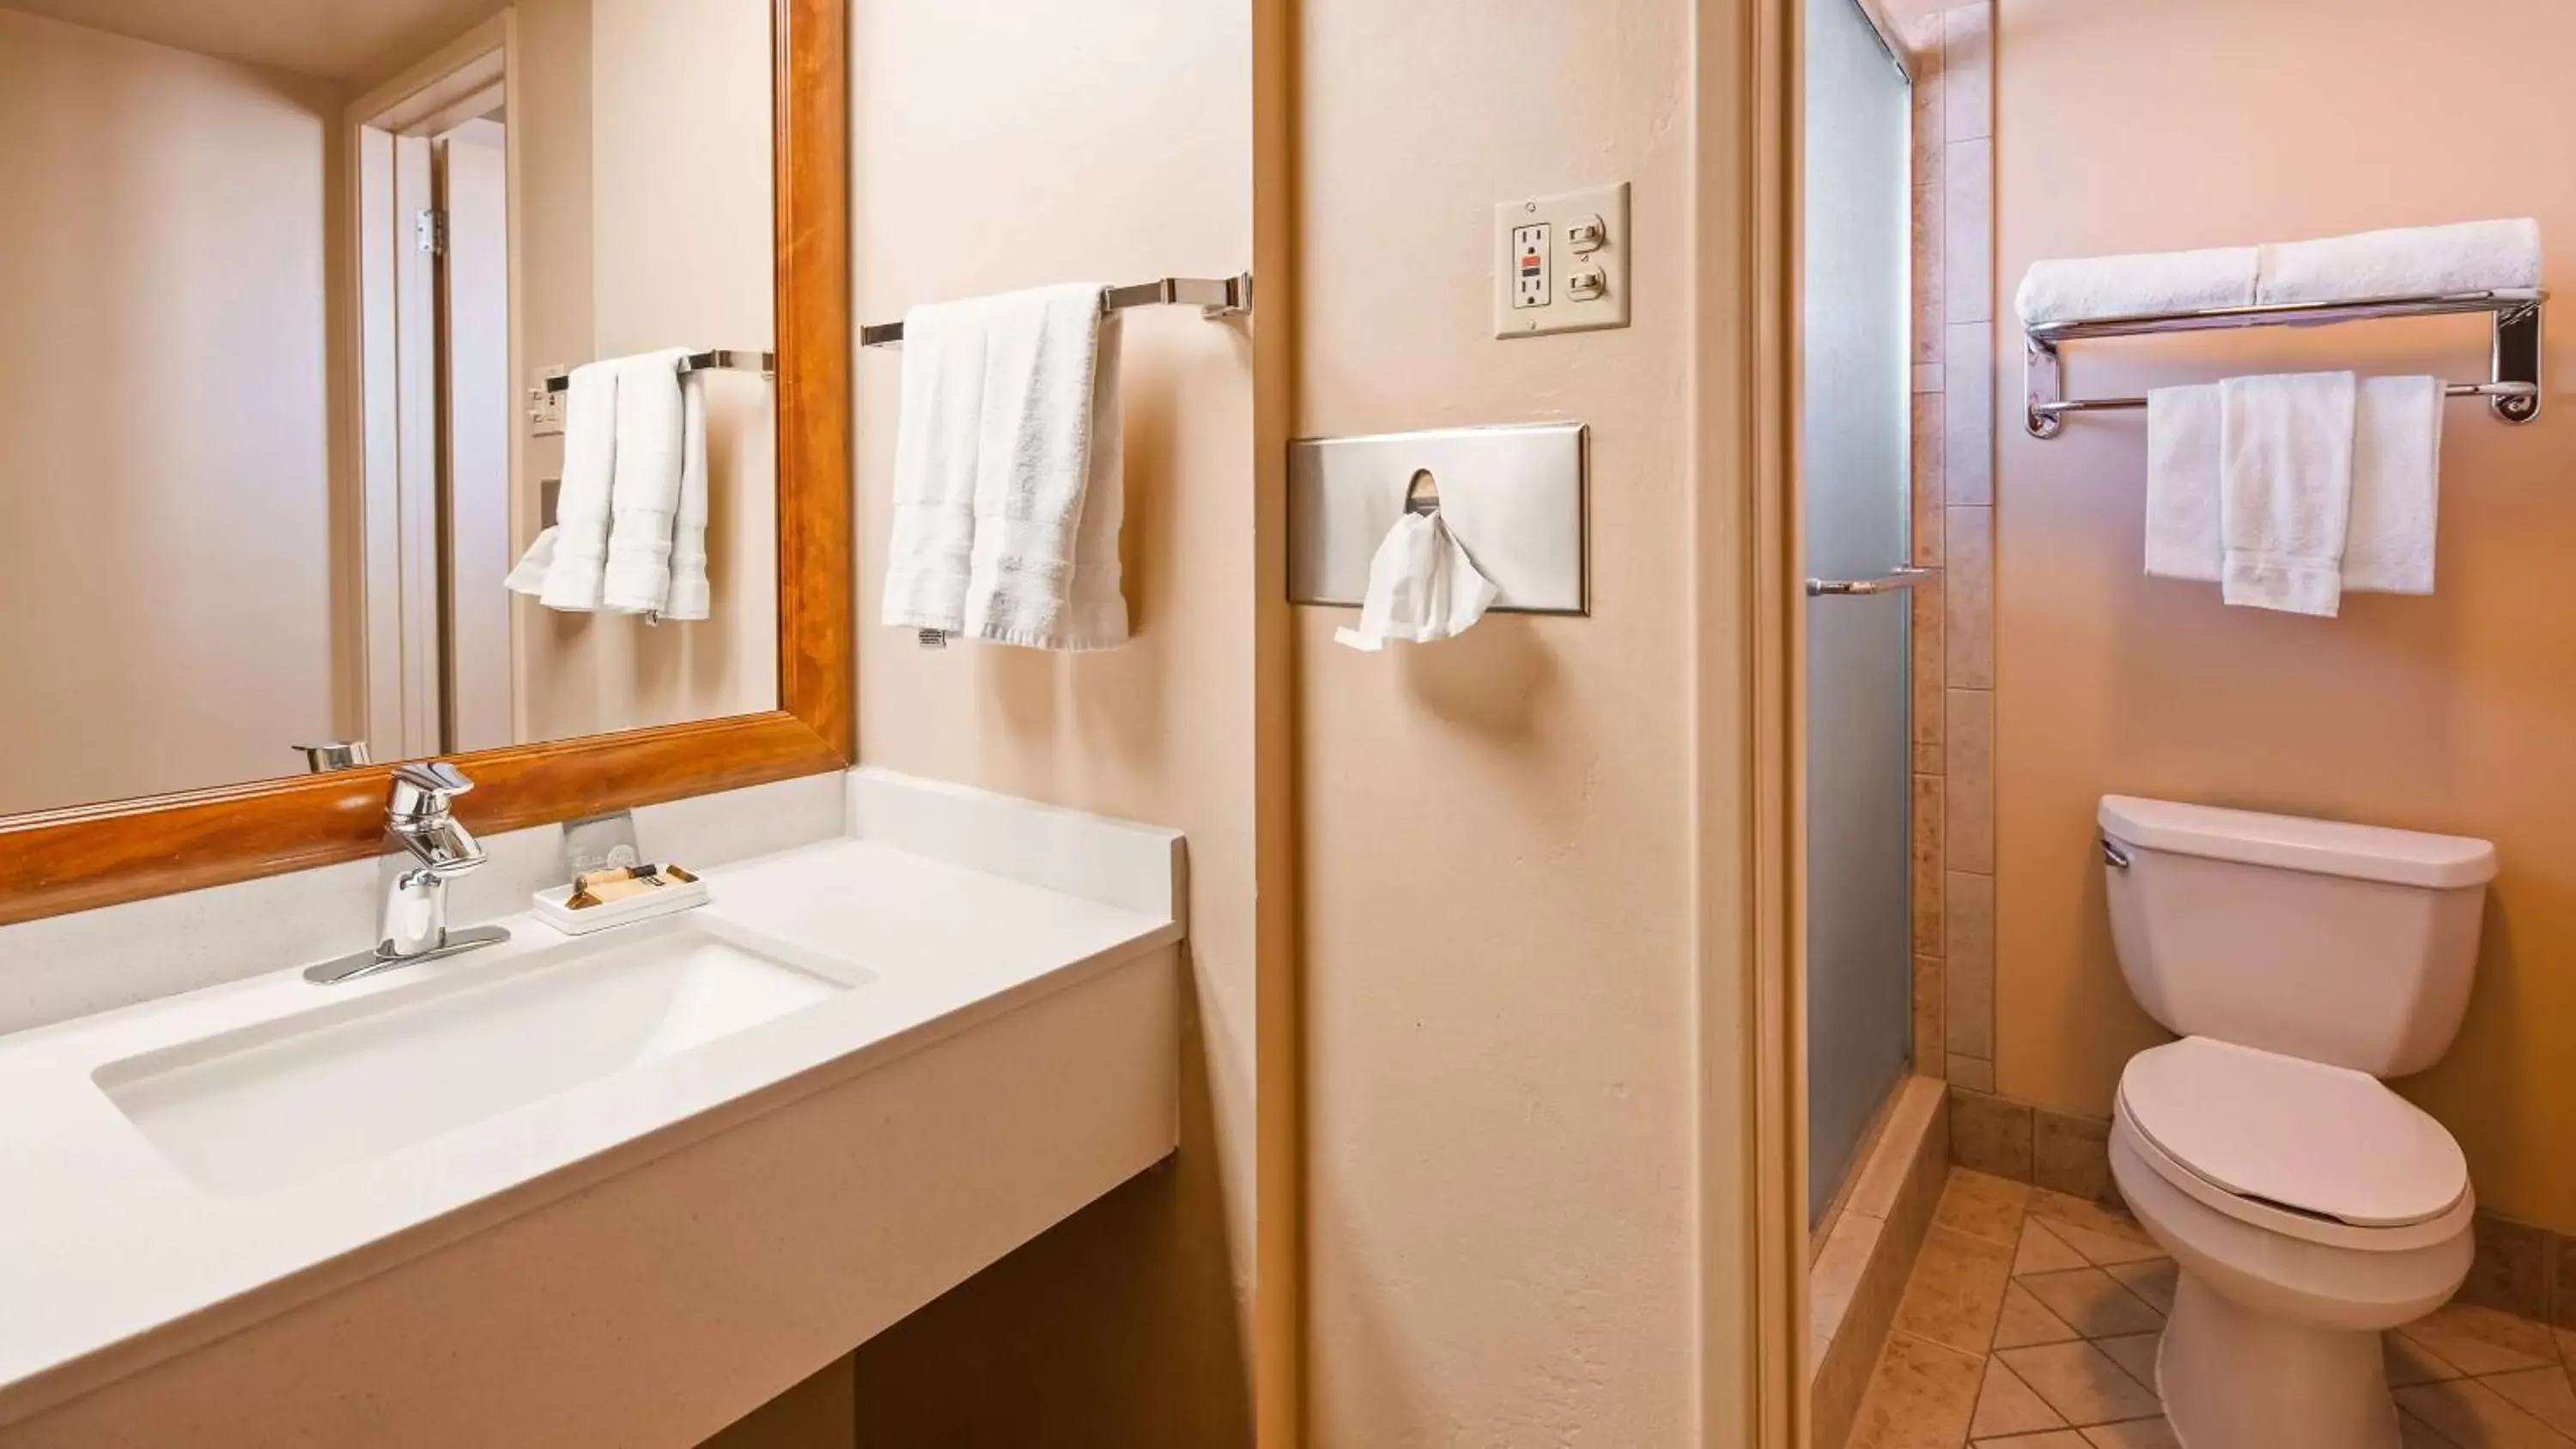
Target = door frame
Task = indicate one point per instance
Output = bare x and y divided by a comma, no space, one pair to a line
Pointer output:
1747,704
395,387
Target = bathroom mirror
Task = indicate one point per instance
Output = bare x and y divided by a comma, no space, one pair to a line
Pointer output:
288,293
276,428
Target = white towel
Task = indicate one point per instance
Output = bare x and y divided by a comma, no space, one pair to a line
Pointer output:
2127,286
563,566
930,550
2285,489
2472,256
690,595
2182,483
1050,463
645,500
2396,485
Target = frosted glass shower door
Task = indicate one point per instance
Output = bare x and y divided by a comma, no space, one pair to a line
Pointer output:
1852,434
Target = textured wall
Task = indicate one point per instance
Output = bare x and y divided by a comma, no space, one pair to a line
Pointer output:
1495,859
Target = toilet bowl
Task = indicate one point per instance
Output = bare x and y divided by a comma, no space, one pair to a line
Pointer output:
2308,1208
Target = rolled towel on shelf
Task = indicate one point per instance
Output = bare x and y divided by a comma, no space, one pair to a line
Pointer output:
2146,283
2415,261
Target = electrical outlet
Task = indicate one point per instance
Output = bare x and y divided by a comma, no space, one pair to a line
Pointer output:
1533,296
1529,266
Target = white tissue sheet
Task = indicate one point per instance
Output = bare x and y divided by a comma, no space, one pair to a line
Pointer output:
1422,587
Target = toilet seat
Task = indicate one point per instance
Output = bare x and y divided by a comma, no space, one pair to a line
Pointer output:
2316,1152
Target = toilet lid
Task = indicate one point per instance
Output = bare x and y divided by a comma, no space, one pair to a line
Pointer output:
2320,1139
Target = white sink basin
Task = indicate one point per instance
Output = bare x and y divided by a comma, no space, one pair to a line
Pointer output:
252,1110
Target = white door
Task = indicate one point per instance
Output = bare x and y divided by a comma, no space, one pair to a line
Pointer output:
475,421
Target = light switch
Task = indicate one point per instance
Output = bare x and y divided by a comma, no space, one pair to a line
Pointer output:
1532,295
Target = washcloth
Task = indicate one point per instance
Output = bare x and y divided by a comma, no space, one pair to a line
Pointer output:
2396,485
2473,256
2182,483
1049,474
563,566
2128,286
930,550
645,499
2285,489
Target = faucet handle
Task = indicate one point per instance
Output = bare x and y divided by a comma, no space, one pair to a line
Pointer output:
422,790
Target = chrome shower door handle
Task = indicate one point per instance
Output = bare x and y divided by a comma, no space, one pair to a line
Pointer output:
1897,580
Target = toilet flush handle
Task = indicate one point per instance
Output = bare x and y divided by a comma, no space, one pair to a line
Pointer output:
2112,855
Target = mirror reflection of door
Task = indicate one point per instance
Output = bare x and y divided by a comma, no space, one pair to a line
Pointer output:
275,283
468,169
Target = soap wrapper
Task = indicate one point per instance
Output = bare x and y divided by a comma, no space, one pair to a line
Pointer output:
1422,587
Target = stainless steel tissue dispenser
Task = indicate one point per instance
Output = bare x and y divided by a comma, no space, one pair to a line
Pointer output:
1512,496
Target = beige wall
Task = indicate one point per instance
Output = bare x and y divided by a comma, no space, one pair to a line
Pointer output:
2195,122
999,145
647,224
164,418
1498,902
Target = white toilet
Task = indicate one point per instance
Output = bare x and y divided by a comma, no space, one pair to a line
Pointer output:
2308,1206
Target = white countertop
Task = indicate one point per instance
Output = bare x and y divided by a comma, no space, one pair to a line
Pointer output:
104,1242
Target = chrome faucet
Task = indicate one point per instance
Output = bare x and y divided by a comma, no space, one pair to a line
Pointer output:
425,848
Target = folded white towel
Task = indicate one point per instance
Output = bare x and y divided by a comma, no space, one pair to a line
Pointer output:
2396,485
2182,483
646,496
2285,489
1049,474
930,549
563,566
2473,256
2128,286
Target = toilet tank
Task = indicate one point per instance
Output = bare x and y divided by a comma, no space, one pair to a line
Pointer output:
2347,944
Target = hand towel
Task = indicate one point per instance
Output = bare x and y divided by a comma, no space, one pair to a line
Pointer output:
2285,489
645,498
1422,587
563,566
930,548
2472,256
1049,473
2127,286
2396,485
690,595
2182,483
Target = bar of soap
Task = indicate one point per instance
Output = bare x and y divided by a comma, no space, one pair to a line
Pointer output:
600,887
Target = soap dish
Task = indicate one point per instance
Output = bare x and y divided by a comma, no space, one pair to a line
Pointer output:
551,909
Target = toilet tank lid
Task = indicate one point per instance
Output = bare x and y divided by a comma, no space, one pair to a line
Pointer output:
2325,847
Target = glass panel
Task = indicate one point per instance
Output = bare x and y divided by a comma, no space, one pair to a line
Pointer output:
275,283
1854,471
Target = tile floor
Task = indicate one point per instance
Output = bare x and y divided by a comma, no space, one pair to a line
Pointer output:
2031,1319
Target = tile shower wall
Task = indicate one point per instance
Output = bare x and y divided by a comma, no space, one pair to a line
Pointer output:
1953,493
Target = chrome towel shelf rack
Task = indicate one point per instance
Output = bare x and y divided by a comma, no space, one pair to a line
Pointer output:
1214,297
2512,389
728,359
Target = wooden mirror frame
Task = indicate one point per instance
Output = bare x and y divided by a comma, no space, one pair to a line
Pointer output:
69,860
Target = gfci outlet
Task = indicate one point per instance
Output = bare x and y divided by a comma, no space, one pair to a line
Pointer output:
1533,294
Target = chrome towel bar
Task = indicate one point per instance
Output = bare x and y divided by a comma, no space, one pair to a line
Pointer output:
1214,297
727,359
2512,391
